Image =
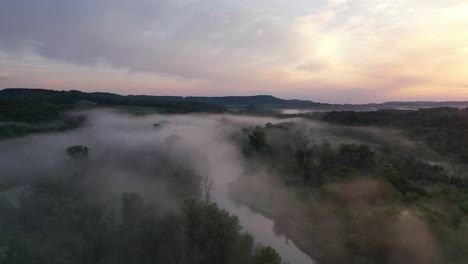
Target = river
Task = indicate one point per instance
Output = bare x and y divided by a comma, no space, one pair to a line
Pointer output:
257,225
200,137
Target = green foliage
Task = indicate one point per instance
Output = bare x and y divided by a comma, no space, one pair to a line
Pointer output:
26,111
267,255
305,163
356,156
329,172
58,224
304,157
21,117
59,220
394,176
23,111
299,161
68,98
258,140
463,206
212,233
78,152
78,160
16,253
132,208
185,185
443,129
8,221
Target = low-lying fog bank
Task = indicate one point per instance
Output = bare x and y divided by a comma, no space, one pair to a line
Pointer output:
137,154
130,154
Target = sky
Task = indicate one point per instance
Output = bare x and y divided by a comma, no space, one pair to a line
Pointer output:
337,51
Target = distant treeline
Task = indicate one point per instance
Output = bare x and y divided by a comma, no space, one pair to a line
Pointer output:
352,191
165,103
20,117
177,103
25,111
443,129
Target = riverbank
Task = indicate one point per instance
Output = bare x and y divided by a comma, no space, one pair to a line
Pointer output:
349,222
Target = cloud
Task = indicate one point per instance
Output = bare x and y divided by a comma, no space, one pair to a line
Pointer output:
189,39
393,47
310,67
297,49
5,76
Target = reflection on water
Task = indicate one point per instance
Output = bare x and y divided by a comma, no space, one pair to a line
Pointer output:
259,226
189,138
262,229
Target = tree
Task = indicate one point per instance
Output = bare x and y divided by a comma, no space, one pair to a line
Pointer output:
356,156
132,208
267,255
78,152
78,159
305,163
207,188
212,233
258,139
394,176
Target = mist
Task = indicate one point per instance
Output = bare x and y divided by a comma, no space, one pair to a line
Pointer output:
138,154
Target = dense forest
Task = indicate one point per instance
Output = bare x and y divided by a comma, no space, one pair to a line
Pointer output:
65,219
25,111
165,103
188,103
443,129
134,185
358,195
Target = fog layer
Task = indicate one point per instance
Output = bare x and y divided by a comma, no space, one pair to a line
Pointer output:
137,154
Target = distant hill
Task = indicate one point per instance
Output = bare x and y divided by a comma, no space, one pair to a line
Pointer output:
208,104
27,111
166,104
425,104
67,97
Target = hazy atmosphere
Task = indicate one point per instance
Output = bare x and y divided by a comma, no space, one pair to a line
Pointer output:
233,132
130,154
325,50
